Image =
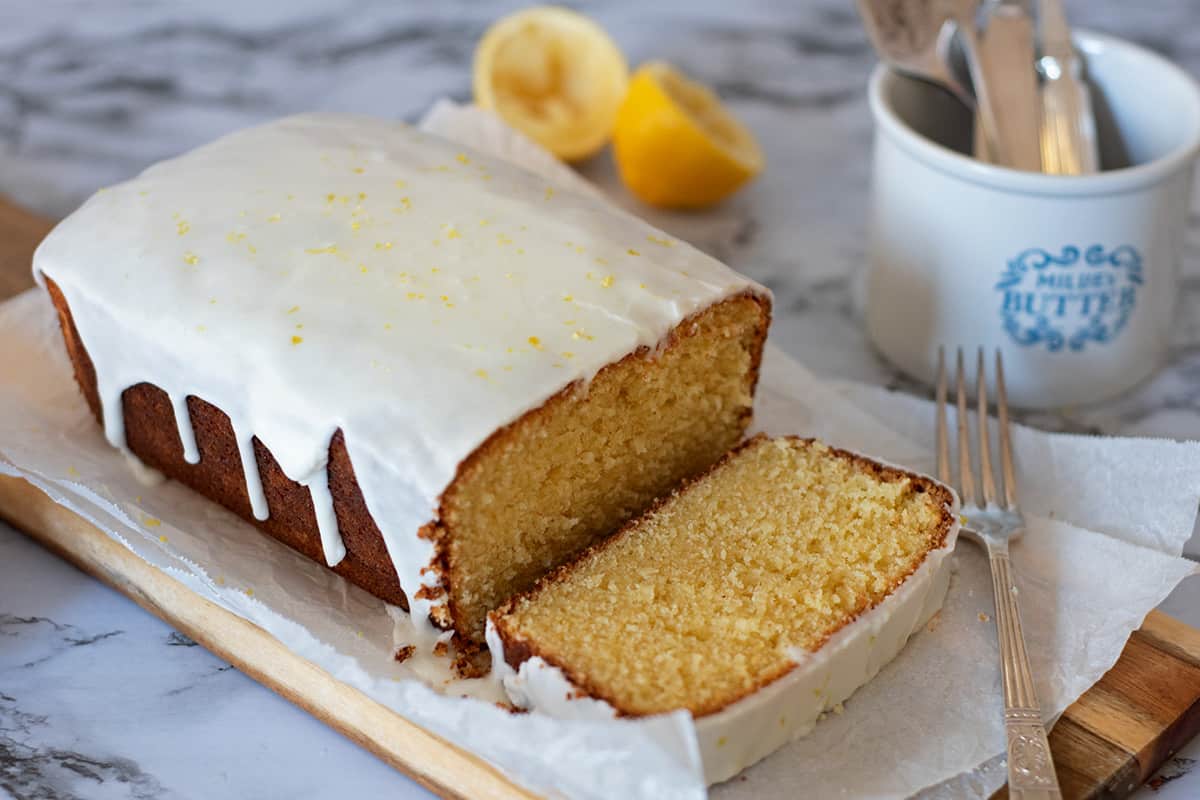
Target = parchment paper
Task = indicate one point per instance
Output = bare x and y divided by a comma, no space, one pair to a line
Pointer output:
1107,522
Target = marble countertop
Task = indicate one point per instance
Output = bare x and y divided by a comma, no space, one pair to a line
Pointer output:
99,699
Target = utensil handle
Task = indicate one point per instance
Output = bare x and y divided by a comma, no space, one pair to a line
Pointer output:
1007,56
985,110
1030,766
1069,144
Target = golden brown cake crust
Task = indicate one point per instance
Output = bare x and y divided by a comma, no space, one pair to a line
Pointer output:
152,435
517,650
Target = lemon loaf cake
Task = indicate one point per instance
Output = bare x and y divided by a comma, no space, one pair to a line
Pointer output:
424,367
757,596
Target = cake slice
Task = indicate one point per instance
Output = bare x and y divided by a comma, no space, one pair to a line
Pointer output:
421,366
756,597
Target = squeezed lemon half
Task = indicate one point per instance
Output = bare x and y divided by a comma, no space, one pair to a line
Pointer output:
554,75
675,144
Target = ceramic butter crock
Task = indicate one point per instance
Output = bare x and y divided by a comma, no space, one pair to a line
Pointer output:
1073,279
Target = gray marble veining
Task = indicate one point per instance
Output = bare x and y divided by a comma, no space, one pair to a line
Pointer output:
97,698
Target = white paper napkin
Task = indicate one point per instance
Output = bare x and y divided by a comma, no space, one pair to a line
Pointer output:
1107,521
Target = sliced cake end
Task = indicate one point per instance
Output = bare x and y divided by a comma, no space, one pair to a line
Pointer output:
755,597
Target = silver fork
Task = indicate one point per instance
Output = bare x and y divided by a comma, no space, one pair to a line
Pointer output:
993,520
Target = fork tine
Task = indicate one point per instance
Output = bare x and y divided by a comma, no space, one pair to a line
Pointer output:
966,480
1006,459
985,448
943,435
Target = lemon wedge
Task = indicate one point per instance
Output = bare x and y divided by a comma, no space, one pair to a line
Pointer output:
675,144
554,75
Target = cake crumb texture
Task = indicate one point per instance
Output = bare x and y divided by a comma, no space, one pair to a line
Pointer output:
595,456
699,602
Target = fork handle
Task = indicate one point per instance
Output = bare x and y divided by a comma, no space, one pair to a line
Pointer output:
1030,766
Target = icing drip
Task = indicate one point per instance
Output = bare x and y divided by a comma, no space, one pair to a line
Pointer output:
187,435
327,523
114,416
330,271
254,487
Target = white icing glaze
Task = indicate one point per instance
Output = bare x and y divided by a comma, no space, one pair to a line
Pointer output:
327,524
254,485
187,436
330,271
753,727
114,420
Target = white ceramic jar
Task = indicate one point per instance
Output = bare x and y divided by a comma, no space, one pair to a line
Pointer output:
1073,279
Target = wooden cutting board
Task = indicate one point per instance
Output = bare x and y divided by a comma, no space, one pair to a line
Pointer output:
1105,745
